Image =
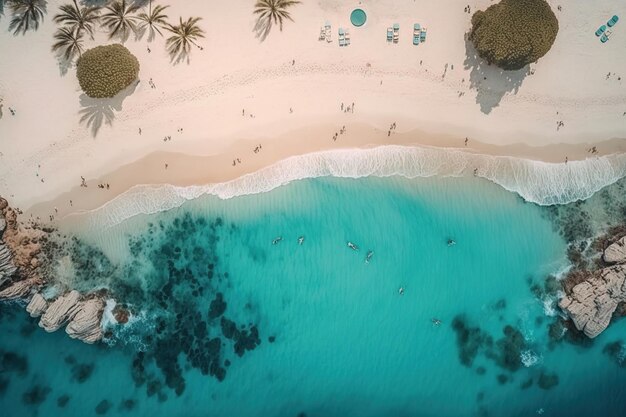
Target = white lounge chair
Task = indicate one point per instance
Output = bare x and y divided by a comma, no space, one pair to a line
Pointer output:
328,36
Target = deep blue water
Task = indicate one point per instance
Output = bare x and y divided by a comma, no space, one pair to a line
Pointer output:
228,324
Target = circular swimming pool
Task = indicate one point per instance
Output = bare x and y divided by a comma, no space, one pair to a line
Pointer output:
358,17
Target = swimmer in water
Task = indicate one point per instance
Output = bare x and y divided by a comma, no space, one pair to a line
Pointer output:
277,240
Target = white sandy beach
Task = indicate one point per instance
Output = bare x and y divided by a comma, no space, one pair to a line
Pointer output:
434,93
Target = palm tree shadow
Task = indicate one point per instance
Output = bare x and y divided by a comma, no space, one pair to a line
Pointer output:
490,82
63,63
96,111
262,28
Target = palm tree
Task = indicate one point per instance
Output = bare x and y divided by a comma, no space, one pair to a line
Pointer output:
271,12
78,18
153,20
26,14
119,19
183,37
70,40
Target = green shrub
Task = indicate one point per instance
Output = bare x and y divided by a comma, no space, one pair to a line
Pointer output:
104,71
514,33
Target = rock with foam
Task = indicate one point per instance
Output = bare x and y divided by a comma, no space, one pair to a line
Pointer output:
85,325
60,311
591,303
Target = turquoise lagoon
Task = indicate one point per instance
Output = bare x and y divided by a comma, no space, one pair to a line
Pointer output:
228,324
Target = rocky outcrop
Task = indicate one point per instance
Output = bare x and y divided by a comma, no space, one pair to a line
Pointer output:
591,303
19,250
86,323
37,305
616,253
82,317
60,311
7,268
20,276
19,289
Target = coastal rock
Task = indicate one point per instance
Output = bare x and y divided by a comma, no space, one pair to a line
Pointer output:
37,306
85,325
60,311
616,253
591,303
7,268
19,289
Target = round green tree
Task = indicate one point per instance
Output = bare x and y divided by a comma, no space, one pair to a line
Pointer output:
514,33
104,71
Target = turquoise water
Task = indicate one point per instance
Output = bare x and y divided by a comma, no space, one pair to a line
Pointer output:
228,324
358,17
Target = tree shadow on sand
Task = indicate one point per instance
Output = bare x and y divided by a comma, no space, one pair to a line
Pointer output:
262,28
96,111
490,82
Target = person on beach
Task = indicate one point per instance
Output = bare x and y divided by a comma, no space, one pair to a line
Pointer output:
466,140
166,165
140,131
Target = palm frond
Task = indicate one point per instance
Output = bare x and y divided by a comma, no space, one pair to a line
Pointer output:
26,15
120,20
271,12
78,18
70,41
154,20
184,36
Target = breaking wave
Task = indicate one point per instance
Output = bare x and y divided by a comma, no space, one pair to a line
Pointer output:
537,182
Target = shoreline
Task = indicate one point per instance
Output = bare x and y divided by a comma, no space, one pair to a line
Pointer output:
208,174
297,97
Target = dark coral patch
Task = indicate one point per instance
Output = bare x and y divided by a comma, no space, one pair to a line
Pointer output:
217,306
510,348
63,400
82,371
548,381
128,404
13,362
103,407
36,395
469,340
617,352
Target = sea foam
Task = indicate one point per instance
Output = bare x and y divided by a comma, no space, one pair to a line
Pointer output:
537,182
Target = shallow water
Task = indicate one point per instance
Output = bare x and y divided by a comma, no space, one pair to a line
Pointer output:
313,329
